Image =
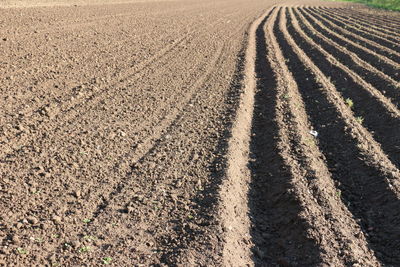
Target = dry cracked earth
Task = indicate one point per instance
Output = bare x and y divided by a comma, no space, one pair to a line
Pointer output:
199,133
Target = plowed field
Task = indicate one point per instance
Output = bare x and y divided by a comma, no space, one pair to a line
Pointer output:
199,133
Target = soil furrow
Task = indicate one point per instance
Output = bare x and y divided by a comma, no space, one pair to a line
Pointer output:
391,20
366,30
390,26
354,167
383,64
287,180
375,112
349,27
277,211
359,39
172,247
199,133
157,127
234,204
361,68
354,57
380,30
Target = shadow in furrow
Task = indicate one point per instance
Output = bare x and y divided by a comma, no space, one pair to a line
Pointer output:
367,29
386,68
367,26
278,232
363,187
368,36
383,126
368,75
386,20
383,66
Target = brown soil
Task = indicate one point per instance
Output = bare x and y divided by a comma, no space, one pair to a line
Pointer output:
177,133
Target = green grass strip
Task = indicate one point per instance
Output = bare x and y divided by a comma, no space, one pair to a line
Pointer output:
384,4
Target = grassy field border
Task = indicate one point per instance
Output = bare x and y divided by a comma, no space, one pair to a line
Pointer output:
393,5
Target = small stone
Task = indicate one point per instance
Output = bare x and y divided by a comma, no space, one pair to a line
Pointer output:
152,165
44,226
52,258
39,168
16,240
33,220
76,244
77,194
56,219
130,209
4,250
20,128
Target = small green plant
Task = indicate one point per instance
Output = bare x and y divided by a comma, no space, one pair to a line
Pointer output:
310,141
86,220
22,251
39,239
360,119
106,260
190,217
84,249
349,102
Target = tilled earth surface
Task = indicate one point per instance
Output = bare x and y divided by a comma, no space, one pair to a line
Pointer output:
116,134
